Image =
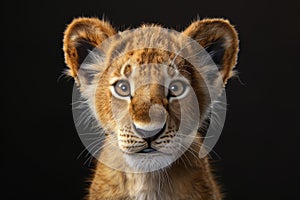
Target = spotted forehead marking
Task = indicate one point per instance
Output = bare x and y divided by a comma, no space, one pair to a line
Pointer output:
126,69
149,64
148,69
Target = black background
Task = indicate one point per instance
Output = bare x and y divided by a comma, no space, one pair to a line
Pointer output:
258,152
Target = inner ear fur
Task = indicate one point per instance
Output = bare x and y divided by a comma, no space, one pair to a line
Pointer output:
220,40
81,36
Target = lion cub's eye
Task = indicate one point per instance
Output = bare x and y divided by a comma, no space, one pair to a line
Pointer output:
122,88
177,88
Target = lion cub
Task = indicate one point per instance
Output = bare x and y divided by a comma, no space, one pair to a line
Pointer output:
149,91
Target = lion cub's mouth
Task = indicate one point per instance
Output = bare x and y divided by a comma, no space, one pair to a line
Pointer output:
149,148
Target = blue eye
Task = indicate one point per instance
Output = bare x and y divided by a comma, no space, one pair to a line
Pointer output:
174,88
177,88
122,88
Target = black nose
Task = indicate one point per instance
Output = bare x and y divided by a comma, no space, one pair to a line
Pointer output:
149,136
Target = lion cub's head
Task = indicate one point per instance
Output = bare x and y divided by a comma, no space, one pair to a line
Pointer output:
150,88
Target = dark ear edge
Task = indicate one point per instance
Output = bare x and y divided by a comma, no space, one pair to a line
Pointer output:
220,40
81,36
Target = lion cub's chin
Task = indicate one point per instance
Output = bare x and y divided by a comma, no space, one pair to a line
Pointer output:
148,162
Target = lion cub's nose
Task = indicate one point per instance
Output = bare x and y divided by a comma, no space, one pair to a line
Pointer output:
149,135
155,127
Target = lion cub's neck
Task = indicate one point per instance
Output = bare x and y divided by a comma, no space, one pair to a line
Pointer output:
183,180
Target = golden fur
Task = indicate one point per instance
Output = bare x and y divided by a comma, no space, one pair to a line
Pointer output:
188,177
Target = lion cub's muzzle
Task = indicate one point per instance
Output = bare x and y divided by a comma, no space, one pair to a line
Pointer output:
152,128
149,136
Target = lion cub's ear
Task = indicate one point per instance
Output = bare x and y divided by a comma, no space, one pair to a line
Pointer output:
220,40
81,36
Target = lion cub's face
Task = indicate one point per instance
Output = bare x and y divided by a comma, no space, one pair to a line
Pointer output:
149,101
142,100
